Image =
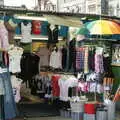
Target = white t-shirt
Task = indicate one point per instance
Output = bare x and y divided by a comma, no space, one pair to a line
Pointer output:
56,59
64,84
15,55
26,33
16,85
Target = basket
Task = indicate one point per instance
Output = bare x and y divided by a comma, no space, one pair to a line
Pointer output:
77,106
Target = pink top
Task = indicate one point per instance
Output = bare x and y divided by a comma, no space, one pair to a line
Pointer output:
3,37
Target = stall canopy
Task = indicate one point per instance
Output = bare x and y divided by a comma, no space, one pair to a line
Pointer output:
64,20
103,27
61,18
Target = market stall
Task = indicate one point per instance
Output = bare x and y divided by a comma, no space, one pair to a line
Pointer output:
51,59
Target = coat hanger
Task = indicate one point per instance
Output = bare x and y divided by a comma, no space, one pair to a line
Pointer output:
25,22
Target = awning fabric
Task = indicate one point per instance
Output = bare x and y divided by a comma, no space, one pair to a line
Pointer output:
64,20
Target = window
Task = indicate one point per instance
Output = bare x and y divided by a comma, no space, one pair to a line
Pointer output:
66,1
92,8
111,11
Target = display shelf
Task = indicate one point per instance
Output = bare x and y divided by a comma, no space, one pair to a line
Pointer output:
35,37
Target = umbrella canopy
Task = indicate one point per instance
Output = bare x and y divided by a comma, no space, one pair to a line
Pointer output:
82,31
103,27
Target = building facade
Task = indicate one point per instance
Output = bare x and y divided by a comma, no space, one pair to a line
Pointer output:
79,6
107,7
45,5
114,8
1,3
74,6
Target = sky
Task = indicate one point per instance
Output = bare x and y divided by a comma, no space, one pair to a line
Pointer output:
29,3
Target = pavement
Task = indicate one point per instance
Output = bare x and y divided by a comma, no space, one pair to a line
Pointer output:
44,118
55,118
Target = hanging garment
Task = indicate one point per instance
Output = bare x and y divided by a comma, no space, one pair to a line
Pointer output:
16,86
91,77
64,84
99,68
26,33
80,57
41,86
56,59
72,91
5,57
2,88
52,35
11,26
2,117
93,87
63,31
44,53
86,70
15,54
64,57
36,27
48,90
55,34
91,59
72,54
106,64
55,86
3,37
29,67
2,64
18,29
10,109
44,27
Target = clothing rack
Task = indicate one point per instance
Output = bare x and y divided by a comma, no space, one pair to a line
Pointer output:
65,73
